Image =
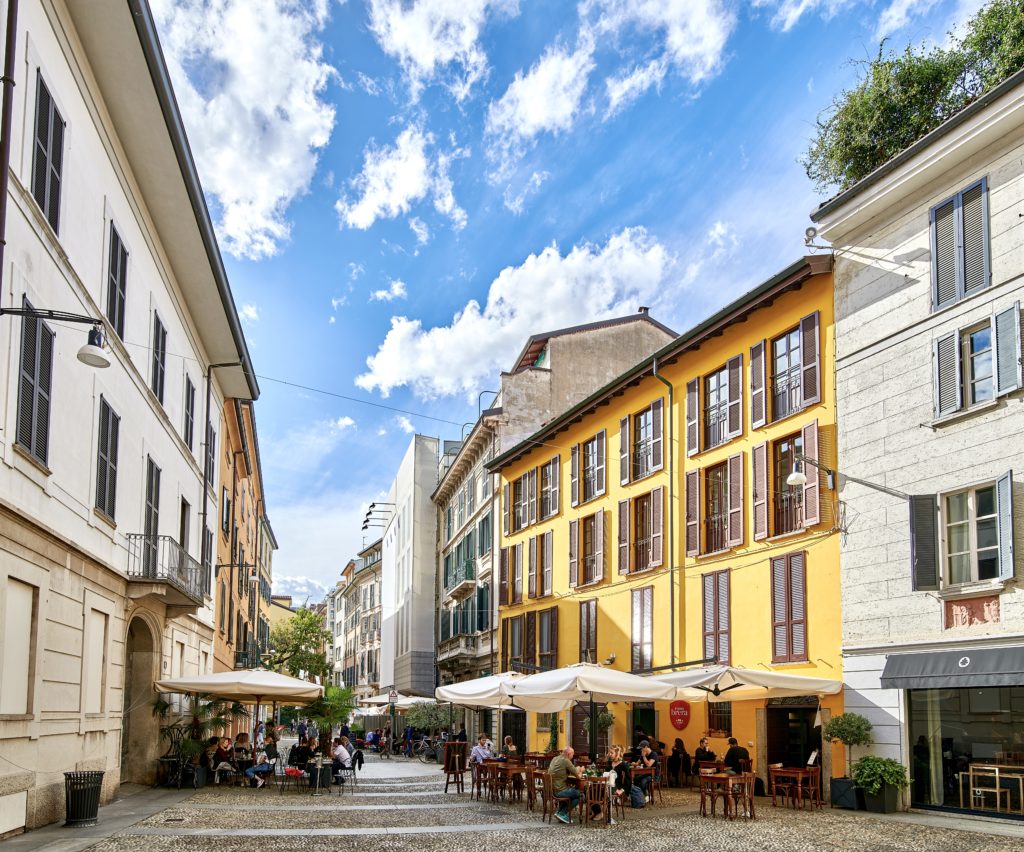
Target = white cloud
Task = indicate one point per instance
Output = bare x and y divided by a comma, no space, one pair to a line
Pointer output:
437,39
396,290
787,13
396,177
338,302
305,448
898,14
367,84
546,99
331,320
381,431
250,313
249,76
420,230
547,290
405,424
720,242
301,589
623,90
516,201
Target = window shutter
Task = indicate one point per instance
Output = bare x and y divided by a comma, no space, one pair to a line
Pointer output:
812,488
44,376
797,606
556,473
101,457
517,575
56,165
722,613
710,640
623,536
759,462
41,149
736,500
599,467
504,644
503,596
734,412
810,358
554,636
657,431
573,549
574,475
531,588
758,383
692,416
924,537
692,512
530,647
948,388
1006,333
648,605
780,613
944,254
657,527
27,388
531,495
599,545
584,613
506,508
624,451
973,221
1004,524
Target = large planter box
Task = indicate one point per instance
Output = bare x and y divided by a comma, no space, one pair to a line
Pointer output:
885,802
844,793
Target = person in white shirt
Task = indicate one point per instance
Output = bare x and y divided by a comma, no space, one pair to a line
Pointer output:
341,760
481,751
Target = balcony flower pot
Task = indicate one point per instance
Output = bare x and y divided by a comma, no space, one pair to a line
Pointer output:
844,793
885,801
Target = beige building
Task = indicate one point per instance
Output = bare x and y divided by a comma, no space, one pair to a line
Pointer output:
361,623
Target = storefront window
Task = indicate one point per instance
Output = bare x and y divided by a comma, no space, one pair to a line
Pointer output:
967,749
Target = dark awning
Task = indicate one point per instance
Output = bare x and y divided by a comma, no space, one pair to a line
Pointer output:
1001,666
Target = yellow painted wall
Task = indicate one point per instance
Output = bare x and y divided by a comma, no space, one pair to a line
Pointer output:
749,564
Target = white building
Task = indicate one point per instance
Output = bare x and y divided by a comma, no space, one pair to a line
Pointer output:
928,277
103,586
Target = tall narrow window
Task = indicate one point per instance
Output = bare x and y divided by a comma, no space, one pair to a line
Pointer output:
789,608
594,466
188,432
716,489
971,537
643,443
546,555
588,631
184,524
960,249
117,281
716,616
788,516
786,374
18,632
976,359
159,366
152,517
643,628
642,533
106,460
211,453
36,372
716,408
547,638
47,155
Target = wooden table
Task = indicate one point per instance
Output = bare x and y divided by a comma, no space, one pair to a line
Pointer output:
719,779
797,774
999,773
516,775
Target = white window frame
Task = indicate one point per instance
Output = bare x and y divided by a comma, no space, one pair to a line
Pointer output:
972,519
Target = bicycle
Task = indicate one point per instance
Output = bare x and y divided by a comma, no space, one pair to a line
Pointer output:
428,751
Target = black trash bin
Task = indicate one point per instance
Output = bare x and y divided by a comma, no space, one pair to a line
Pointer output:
82,797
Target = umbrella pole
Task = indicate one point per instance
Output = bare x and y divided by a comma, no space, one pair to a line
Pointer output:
593,730
255,727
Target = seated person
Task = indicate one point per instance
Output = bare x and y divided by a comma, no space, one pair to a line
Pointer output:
264,763
223,759
340,759
624,787
734,755
703,754
356,754
678,763
647,759
481,751
206,758
372,739
509,750
301,753
561,769
242,749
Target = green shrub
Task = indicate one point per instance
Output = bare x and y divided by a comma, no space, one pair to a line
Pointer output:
851,729
871,772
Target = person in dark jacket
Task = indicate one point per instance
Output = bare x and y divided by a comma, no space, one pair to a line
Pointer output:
703,754
734,755
678,764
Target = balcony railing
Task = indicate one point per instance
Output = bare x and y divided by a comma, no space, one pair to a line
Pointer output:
715,426
590,570
457,646
785,393
642,554
789,516
643,458
160,559
247,657
462,577
716,531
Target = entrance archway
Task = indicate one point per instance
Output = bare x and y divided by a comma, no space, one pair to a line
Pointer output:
139,728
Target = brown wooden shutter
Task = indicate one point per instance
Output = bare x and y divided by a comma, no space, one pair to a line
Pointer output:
948,387
554,636
657,431
531,587
533,480
1004,524
780,614
530,644
504,644
623,536
1006,346
503,594
599,478
924,542
506,508
692,512
759,463
624,451
710,622
735,496
584,631
734,383
722,616
758,385
692,417
810,360
556,473
517,575
812,489
599,547
945,265
574,475
574,566
797,606
547,576
973,223
657,527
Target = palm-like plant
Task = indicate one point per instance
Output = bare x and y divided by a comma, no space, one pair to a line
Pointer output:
206,716
333,708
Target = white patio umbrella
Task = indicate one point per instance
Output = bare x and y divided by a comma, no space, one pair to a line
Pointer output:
411,700
726,683
559,689
482,693
382,698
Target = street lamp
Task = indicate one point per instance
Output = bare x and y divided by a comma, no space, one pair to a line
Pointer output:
92,353
798,479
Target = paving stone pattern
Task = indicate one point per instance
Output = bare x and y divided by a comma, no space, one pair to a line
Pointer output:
412,813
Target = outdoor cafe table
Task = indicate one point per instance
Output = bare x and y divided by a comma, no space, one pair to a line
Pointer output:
797,775
516,775
720,779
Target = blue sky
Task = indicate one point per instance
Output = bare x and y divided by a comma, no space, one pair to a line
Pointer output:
404,191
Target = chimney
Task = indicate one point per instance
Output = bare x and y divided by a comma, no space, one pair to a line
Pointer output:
643,309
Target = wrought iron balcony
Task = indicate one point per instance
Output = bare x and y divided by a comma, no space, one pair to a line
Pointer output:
461,579
247,657
789,515
162,563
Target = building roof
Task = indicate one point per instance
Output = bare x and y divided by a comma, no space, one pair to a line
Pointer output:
537,342
764,294
926,141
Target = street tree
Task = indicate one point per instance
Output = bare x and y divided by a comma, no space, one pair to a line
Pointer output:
297,645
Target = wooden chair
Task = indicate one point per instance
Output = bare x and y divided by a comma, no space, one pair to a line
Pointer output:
711,791
808,788
620,803
779,783
478,781
743,795
595,794
746,765
542,789
495,784
660,779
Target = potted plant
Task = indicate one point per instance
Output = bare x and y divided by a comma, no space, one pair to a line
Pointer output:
187,736
881,779
850,729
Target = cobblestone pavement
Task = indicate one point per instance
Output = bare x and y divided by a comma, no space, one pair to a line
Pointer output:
399,807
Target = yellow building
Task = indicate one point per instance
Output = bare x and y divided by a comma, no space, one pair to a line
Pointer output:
651,525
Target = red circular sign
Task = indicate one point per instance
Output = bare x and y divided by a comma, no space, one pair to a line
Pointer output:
679,714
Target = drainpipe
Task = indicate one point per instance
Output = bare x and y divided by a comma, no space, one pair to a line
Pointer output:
6,111
670,408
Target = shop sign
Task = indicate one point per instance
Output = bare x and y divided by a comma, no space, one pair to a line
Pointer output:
679,714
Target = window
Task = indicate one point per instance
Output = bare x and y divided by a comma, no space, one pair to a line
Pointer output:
117,281
593,469
714,507
483,607
519,508
642,629
483,536
642,529
512,642
211,453
516,555
184,524
190,412
545,569
643,439
106,460
47,155
786,374
549,504
640,443
159,365
547,637
720,719
448,522
222,596
716,517
721,417
225,511
789,608
787,516
716,404
460,510
960,251
976,357
716,616
641,533
18,631
588,631
152,517
971,537
586,539
36,372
